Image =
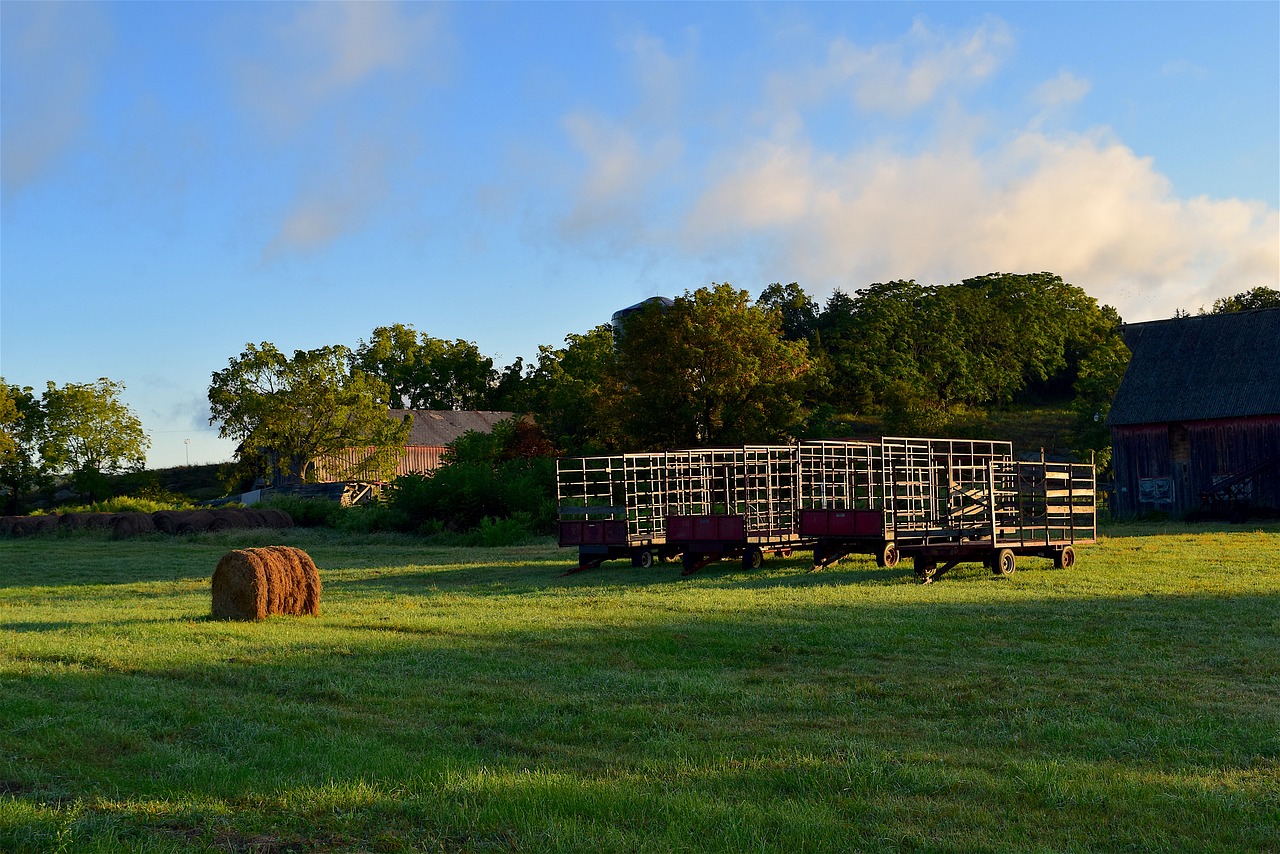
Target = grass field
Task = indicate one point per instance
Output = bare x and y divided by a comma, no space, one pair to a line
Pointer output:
473,700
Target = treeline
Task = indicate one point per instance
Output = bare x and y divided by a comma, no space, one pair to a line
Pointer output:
713,366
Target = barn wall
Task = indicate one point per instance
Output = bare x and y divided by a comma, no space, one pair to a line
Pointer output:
414,459
1223,448
1141,455
1165,467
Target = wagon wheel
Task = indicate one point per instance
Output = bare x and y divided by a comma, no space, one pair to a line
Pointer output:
1005,563
752,558
887,555
1065,559
646,558
926,569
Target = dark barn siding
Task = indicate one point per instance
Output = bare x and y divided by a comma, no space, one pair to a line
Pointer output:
1191,456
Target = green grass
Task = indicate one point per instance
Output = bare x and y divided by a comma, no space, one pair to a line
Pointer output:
471,700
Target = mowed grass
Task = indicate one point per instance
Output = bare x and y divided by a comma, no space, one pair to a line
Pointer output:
475,700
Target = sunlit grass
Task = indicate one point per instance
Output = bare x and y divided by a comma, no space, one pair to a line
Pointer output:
468,699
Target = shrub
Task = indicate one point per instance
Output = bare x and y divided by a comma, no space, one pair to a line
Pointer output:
308,512
462,494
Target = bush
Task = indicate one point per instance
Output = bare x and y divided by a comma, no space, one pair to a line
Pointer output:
372,518
461,495
308,512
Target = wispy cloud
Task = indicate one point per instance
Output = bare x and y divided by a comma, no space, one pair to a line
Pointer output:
1064,89
903,75
52,53
327,51
344,77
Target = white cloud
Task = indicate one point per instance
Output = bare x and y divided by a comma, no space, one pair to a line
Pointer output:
1062,90
51,53
1085,207
968,199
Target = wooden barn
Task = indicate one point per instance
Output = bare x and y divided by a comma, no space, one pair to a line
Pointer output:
1195,424
432,431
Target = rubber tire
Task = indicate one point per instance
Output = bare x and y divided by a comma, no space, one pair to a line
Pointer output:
1065,559
1005,563
752,558
647,560
887,556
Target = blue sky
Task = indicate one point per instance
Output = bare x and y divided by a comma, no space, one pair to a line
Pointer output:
180,179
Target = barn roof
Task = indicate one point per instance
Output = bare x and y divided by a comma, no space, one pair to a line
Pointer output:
1200,368
439,427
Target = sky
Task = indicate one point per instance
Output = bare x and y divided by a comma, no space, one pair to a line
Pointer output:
178,180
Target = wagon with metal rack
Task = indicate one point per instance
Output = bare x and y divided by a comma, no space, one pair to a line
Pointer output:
732,503
613,507
942,502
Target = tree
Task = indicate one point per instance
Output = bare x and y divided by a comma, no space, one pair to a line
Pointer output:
90,433
288,412
1096,385
1259,297
573,393
22,468
797,311
422,372
711,369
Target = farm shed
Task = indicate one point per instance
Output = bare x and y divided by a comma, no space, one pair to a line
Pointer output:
1195,423
432,431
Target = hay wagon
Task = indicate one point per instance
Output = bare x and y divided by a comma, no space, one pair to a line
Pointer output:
939,502
613,507
732,503
942,502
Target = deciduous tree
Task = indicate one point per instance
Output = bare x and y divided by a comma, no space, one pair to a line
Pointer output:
289,411
422,372
711,369
1260,297
90,433
22,468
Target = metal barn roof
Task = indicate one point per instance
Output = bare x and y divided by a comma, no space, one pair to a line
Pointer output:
1200,368
439,427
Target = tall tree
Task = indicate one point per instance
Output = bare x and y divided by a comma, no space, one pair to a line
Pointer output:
422,372
22,468
797,311
289,411
573,392
90,433
711,369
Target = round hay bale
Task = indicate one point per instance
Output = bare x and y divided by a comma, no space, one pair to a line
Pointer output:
23,526
277,518
126,525
194,521
254,518
252,584
166,521
84,521
228,519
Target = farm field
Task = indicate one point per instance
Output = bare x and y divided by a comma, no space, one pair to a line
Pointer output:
474,700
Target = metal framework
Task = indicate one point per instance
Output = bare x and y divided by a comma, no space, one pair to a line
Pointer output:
935,500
